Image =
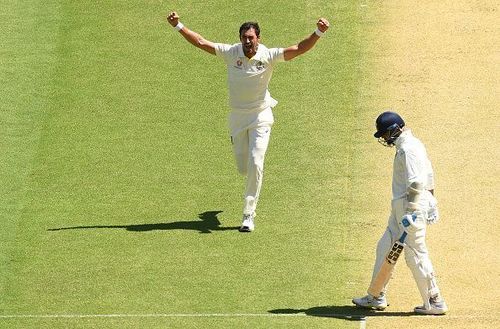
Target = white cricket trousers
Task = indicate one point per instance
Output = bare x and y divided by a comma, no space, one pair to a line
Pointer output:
416,253
250,133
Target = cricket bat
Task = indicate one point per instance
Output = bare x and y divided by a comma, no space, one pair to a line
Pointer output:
384,274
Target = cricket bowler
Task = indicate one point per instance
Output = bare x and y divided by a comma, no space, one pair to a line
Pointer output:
249,68
413,206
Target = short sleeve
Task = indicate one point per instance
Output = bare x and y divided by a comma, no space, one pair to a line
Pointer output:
224,51
415,168
276,55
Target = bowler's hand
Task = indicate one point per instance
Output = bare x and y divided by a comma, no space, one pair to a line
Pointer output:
173,18
323,24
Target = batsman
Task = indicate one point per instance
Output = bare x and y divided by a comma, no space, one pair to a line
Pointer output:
413,207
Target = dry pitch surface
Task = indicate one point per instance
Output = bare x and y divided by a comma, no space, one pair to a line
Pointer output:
437,63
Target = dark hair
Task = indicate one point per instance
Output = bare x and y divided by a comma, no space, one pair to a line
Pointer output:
250,25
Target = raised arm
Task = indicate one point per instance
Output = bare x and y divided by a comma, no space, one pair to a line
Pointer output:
309,42
192,37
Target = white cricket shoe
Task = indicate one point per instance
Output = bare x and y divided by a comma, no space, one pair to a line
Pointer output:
248,224
438,307
371,302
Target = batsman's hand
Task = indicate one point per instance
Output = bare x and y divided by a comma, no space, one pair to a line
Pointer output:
323,24
173,18
432,216
432,211
412,222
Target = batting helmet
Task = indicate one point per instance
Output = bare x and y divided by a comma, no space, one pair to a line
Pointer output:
389,121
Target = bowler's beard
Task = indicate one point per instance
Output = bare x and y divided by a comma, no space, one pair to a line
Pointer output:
249,50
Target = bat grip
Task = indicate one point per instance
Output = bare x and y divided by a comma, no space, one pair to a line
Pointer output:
403,237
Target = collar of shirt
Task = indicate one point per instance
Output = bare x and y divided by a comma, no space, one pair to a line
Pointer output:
402,138
241,54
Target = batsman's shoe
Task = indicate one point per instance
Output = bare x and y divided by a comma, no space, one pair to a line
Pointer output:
436,308
248,223
371,302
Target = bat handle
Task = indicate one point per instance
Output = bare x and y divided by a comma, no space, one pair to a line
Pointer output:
403,237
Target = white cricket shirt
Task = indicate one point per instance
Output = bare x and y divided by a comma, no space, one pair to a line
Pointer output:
411,164
248,79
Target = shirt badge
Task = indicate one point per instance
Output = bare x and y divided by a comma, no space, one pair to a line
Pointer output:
259,66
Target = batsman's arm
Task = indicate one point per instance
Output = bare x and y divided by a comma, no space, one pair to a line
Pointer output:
308,43
192,37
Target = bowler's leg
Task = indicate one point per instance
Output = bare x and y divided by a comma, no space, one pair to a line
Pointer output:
258,143
240,151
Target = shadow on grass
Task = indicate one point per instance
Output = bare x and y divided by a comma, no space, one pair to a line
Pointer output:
346,312
208,223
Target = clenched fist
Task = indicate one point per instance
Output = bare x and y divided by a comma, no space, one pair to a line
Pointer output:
323,25
173,18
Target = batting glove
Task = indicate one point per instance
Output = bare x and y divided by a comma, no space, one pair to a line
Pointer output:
432,216
432,212
412,222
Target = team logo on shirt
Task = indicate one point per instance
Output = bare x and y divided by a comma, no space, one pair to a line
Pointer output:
259,66
239,63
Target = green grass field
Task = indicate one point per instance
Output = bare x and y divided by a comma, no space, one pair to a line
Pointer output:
119,195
